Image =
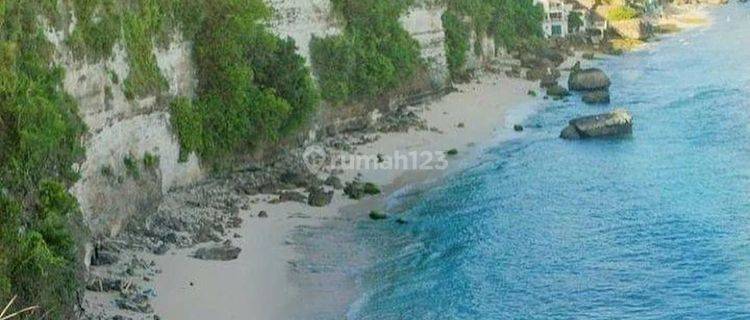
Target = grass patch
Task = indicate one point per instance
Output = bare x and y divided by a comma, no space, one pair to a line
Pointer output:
144,77
131,166
150,161
620,13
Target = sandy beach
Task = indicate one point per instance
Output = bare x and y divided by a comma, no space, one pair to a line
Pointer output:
259,282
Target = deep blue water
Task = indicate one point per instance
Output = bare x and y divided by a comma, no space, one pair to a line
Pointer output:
656,226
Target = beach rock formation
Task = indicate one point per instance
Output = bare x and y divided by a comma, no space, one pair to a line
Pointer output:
223,252
592,79
636,29
596,97
615,123
319,197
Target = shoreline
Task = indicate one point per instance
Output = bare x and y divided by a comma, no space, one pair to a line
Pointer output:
262,284
261,280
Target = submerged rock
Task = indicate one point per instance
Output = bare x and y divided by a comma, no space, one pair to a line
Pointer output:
588,79
223,252
615,123
596,97
377,215
557,91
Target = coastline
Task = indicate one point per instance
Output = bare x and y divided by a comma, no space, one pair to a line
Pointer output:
260,282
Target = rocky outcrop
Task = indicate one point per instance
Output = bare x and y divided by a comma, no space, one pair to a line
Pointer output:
303,19
631,29
615,123
111,191
591,79
424,23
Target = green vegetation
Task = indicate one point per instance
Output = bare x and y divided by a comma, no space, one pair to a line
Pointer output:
371,189
144,77
377,215
98,28
456,43
40,140
575,21
150,161
452,152
373,56
620,13
511,23
131,166
253,87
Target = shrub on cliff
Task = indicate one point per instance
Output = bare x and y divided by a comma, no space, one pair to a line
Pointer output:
510,23
253,87
457,36
620,13
373,56
40,140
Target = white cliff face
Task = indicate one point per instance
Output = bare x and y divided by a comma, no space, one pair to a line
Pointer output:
303,19
119,128
424,23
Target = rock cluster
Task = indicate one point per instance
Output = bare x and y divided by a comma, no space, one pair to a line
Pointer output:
593,82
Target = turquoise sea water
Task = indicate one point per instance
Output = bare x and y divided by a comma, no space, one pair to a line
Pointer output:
656,226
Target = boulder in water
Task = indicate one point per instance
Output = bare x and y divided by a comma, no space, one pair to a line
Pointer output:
592,79
615,123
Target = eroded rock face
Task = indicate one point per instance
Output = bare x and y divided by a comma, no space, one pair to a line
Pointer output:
631,29
592,79
615,123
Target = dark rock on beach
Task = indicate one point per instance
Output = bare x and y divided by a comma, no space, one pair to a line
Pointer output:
222,252
319,197
103,258
358,190
335,182
377,215
615,123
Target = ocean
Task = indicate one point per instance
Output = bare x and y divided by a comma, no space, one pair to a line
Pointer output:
653,226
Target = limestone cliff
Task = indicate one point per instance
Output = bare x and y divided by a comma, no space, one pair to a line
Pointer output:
124,130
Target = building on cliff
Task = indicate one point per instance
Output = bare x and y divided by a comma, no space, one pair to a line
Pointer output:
556,15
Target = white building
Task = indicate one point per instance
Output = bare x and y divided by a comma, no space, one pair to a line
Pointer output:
556,13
